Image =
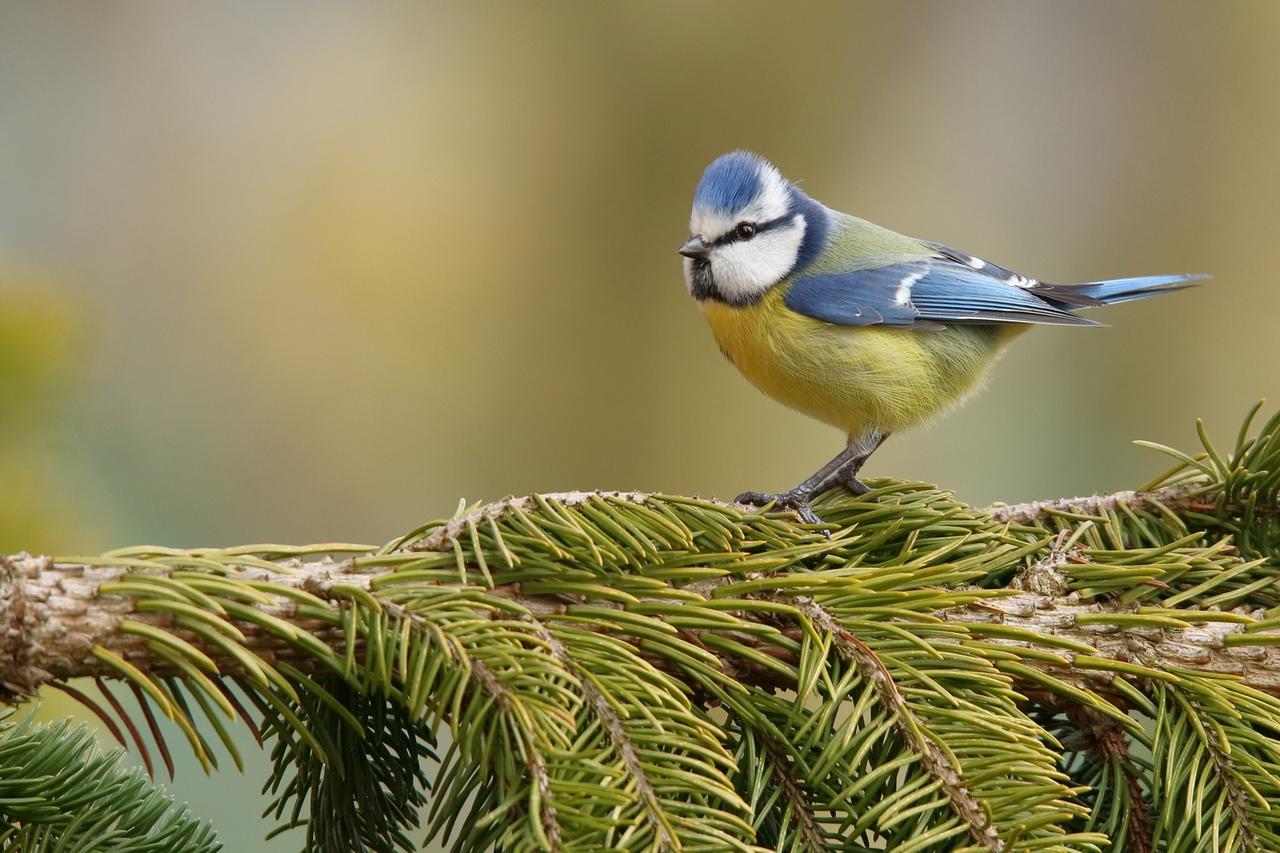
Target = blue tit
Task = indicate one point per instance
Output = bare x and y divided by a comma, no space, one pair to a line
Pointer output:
860,327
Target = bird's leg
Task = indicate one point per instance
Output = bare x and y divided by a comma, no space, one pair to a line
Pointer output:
798,498
847,475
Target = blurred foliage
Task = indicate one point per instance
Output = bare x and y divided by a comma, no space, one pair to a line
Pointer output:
59,791
36,348
331,255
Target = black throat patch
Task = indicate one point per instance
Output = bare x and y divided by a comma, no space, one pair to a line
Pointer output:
704,281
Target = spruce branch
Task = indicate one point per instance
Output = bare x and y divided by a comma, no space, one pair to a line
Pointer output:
639,671
66,624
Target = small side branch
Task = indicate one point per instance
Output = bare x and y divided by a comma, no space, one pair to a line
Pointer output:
1034,511
797,802
664,838
1105,740
911,729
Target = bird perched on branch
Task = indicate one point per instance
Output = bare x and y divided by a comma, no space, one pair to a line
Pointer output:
860,327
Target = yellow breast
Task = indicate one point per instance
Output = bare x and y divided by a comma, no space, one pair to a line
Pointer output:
855,378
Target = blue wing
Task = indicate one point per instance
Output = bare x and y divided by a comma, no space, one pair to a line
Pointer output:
925,293
956,287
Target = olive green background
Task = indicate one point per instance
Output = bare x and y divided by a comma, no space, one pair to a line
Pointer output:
314,271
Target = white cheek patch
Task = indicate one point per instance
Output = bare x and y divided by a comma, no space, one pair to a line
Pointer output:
747,268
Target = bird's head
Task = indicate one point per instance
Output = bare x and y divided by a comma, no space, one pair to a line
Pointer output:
750,228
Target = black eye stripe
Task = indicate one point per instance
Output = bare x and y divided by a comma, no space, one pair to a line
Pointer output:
761,227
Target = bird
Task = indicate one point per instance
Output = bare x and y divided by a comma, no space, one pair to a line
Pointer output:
863,328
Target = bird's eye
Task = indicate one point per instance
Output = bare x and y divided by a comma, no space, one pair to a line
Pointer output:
745,231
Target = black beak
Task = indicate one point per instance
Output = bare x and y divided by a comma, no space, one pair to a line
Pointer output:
694,248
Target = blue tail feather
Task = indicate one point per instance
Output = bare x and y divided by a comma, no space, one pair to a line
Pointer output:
1127,289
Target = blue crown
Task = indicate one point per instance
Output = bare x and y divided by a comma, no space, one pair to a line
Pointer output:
731,182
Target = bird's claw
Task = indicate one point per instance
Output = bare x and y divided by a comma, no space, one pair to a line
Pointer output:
856,486
797,502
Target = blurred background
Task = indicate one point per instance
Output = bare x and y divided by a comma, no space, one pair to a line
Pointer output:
300,272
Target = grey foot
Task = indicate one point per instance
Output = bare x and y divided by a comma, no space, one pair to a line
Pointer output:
792,500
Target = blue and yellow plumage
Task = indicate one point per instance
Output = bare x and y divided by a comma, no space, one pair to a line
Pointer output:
855,325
